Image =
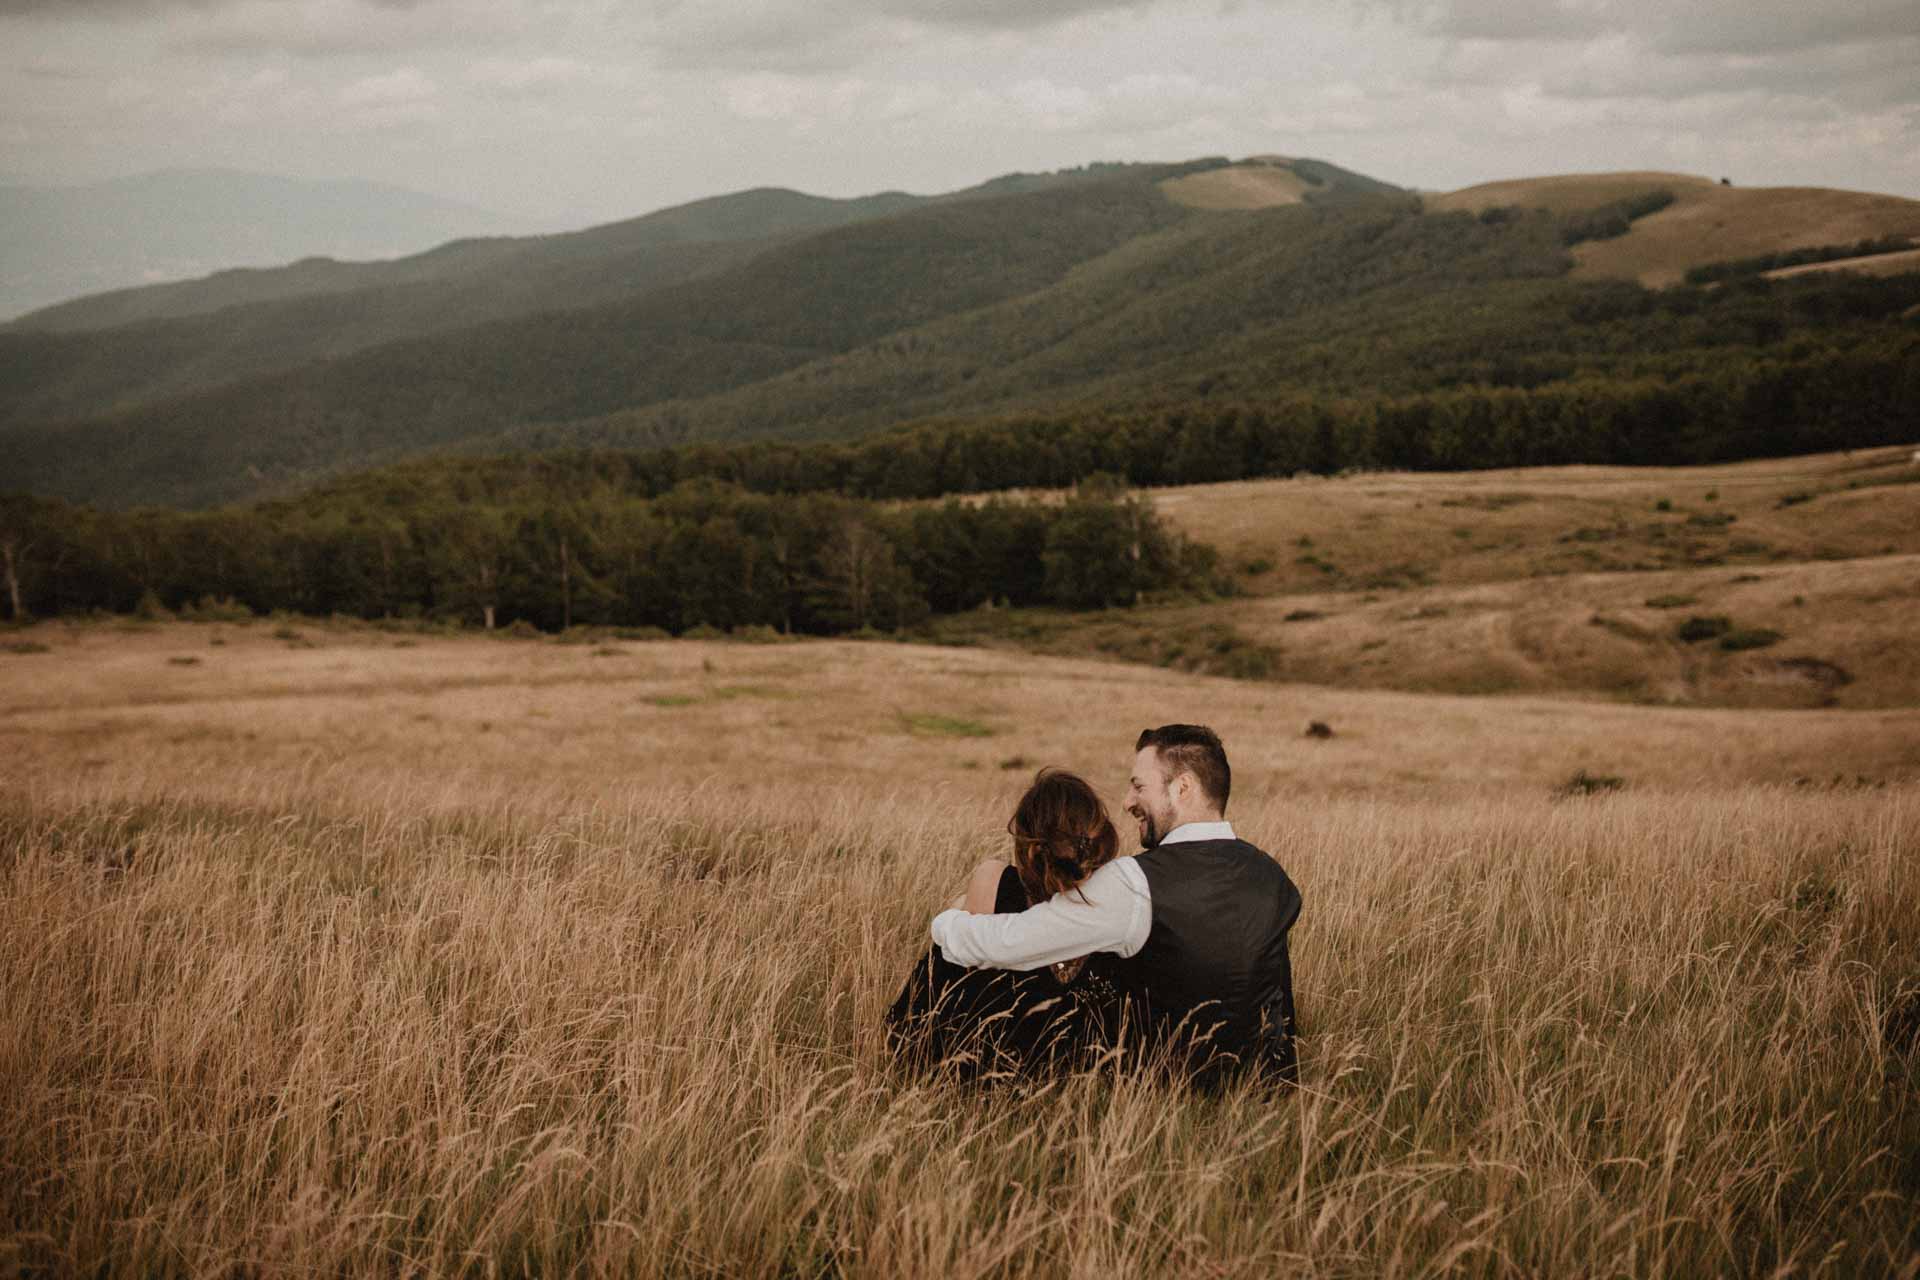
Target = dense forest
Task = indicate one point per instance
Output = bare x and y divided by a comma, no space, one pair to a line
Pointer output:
702,554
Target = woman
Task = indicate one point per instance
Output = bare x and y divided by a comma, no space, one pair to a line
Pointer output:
991,1021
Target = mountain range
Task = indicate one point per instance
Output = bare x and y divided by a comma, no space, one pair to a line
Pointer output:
773,314
62,242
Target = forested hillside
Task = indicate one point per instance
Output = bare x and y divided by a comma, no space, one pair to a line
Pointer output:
130,347
830,292
1043,328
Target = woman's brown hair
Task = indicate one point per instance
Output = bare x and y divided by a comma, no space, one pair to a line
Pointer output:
1061,834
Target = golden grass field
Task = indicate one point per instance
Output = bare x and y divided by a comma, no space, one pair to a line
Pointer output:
335,950
1568,581
1706,223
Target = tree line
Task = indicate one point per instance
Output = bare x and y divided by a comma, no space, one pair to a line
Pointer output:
705,553
1793,401
1759,264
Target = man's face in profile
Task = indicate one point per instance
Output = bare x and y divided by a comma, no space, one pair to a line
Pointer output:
1147,798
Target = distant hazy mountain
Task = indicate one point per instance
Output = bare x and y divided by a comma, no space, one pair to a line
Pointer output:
58,243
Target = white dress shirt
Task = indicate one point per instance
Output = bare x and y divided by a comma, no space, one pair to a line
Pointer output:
1112,910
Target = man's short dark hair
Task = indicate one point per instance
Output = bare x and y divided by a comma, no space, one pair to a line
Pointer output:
1194,749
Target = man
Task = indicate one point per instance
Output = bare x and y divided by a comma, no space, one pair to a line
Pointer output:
1195,925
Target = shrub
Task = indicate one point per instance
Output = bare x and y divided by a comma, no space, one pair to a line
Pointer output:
1749,638
701,631
1703,627
1583,783
212,608
150,609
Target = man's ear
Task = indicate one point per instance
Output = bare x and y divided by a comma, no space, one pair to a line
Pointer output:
1182,788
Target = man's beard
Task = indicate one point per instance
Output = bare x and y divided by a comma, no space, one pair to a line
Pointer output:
1151,832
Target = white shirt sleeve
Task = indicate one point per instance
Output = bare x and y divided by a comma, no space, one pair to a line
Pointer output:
1112,911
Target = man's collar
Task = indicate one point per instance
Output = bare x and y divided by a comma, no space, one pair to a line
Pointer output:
1199,831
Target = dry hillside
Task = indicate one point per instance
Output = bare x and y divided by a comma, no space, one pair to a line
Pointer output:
1570,580
1254,184
1706,223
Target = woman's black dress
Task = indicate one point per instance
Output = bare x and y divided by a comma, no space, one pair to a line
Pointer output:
999,1021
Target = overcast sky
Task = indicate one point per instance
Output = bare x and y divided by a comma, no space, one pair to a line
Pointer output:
585,110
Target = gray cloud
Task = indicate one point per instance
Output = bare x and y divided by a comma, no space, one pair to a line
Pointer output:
1700,27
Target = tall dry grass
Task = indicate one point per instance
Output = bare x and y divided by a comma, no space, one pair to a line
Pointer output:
432,1030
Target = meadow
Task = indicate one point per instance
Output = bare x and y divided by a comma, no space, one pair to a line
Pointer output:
1569,581
337,950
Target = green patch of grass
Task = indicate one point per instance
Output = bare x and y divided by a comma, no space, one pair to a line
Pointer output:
609,651
1711,519
1304,615
1669,602
25,646
944,726
671,699
1749,638
1257,566
1488,502
1795,498
184,660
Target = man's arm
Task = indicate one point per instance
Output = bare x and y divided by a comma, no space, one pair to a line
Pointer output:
1110,912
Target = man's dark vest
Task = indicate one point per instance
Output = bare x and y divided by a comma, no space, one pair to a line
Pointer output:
1213,988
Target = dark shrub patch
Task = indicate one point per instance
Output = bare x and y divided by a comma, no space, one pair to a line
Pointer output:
1583,783
1703,627
1749,638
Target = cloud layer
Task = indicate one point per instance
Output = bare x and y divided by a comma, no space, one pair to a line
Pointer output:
600,108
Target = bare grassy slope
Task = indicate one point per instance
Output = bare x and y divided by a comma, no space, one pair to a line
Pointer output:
1539,580
1567,192
1706,223
326,955
1241,186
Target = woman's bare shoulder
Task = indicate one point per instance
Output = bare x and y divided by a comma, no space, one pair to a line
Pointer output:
983,887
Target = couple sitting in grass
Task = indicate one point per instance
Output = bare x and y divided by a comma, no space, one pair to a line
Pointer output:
1073,955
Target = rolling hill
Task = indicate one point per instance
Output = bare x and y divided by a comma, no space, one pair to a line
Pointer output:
774,315
64,242
1707,222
